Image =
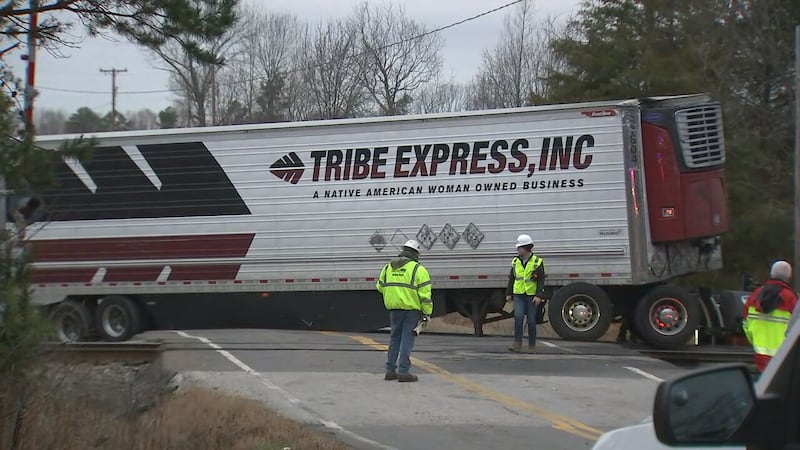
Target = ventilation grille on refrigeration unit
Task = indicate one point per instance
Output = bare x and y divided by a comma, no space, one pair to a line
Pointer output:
701,138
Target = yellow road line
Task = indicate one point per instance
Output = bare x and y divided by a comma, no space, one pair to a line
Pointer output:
557,421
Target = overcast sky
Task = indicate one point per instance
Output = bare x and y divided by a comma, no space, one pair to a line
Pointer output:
79,68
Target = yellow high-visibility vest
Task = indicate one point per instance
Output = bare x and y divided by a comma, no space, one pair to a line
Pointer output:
766,332
407,287
524,282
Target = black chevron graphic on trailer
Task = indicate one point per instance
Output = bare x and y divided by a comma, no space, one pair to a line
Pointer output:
289,168
192,184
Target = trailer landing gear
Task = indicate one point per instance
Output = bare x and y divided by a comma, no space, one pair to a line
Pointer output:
477,309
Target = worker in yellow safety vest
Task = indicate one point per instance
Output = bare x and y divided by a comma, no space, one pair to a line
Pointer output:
526,289
767,313
406,287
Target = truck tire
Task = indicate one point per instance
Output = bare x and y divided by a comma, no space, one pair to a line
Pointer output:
117,318
580,312
71,321
667,316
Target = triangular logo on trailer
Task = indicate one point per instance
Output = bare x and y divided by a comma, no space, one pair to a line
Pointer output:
289,168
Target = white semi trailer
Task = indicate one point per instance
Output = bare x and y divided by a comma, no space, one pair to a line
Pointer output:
287,225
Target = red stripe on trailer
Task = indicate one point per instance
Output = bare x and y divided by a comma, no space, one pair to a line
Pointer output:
370,279
137,283
162,283
263,281
204,272
343,280
50,276
574,275
150,247
315,280
453,277
605,275
187,282
289,280
123,274
112,284
483,277
237,281
212,282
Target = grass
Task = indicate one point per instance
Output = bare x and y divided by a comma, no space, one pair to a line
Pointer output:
192,419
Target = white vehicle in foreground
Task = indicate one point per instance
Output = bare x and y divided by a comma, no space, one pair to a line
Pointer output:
721,408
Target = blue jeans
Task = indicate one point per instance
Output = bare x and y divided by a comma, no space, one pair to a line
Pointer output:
524,307
401,341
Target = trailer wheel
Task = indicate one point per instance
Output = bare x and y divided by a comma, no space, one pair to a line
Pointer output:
581,312
71,321
118,318
667,316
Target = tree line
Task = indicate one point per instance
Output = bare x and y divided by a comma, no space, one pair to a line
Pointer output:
87,120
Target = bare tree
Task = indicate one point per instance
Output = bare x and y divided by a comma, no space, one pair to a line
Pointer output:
261,81
331,71
192,75
400,57
277,55
440,96
192,78
513,73
143,119
51,121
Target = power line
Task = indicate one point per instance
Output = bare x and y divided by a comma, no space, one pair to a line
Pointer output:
81,91
261,78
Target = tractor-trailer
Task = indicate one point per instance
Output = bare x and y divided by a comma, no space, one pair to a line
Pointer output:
286,225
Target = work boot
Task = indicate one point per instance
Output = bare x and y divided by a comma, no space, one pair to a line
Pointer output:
516,347
531,349
390,376
407,378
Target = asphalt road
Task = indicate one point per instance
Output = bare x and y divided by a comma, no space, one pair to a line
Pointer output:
472,393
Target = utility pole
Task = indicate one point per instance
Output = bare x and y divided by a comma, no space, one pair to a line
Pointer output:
797,155
113,73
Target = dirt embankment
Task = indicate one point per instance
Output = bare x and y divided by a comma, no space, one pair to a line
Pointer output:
141,407
455,323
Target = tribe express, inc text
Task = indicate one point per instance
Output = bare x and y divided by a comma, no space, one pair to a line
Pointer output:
460,158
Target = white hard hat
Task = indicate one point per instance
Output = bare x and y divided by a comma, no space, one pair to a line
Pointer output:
412,244
524,239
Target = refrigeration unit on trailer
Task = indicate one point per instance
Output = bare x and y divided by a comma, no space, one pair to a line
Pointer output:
287,225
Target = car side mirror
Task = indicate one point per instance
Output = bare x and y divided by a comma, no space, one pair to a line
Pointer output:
709,406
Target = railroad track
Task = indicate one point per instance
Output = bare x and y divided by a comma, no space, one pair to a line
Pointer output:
103,352
708,355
